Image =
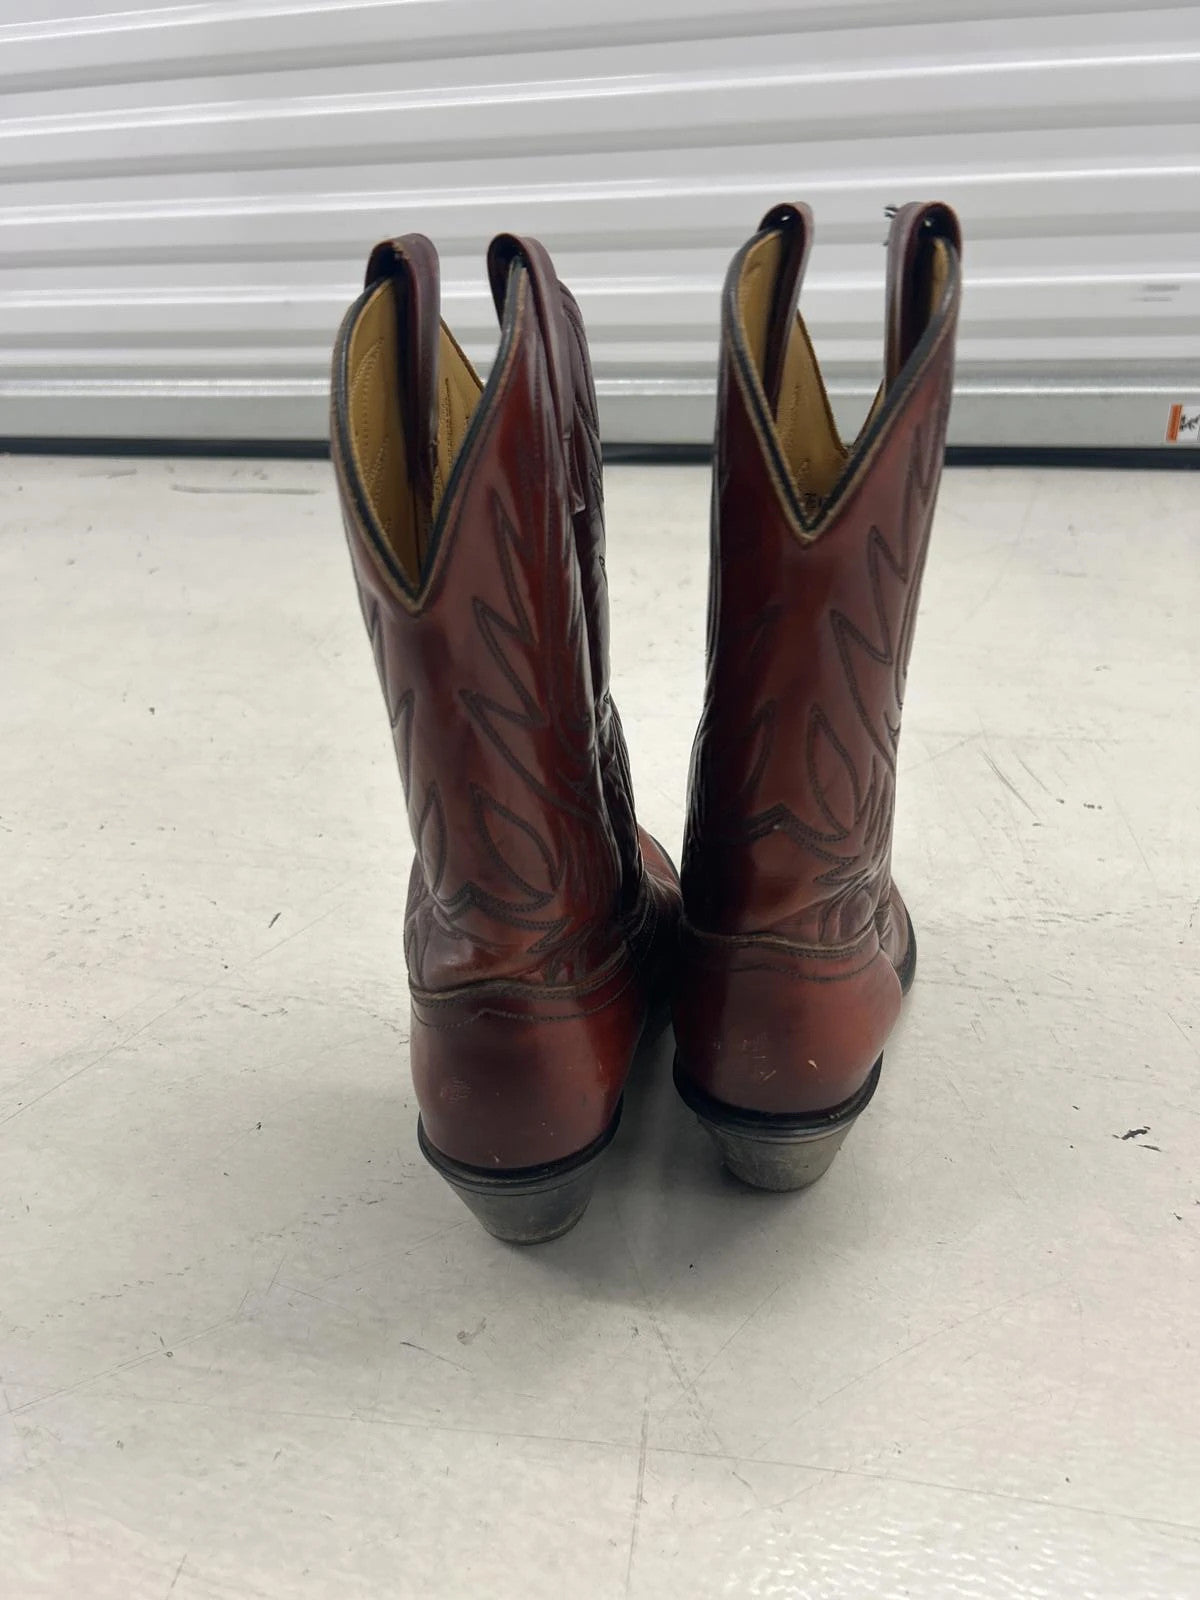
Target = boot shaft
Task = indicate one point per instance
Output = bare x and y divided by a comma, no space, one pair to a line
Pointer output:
458,502
590,548
817,557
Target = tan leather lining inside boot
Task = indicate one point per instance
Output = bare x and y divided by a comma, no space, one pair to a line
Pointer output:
804,422
377,427
939,271
459,389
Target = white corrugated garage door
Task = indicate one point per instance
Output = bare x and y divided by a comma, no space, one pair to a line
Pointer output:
188,194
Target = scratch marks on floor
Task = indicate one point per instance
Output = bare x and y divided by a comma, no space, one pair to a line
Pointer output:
1009,784
639,1496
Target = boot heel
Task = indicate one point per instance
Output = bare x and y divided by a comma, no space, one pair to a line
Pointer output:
775,1151
527,1205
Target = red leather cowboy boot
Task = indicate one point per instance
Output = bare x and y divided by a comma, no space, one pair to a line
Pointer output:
796,945
538,944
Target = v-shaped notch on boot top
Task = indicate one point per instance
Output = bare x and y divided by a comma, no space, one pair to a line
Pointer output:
773,355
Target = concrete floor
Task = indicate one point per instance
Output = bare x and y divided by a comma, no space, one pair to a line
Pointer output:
251,1346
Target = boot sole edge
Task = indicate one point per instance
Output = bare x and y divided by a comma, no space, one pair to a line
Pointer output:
778,1151
525,1205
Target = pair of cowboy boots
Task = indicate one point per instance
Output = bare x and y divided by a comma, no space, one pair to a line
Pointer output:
546,934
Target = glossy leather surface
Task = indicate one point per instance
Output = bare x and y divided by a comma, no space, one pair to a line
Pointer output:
794,930
535,941
590,549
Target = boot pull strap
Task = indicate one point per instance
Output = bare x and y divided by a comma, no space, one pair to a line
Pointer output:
504,249
795,223
411,264
909,262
